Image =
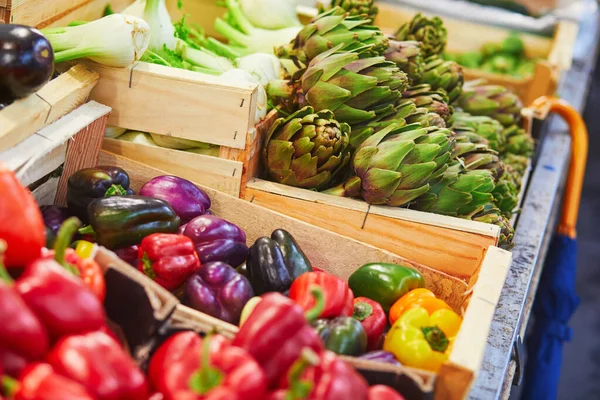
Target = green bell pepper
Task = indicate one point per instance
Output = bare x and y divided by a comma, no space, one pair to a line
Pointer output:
384,283
342,335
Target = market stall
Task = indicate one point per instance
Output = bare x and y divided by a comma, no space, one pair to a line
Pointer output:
331,202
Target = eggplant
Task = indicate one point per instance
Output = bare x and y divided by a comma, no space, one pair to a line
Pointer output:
187,199
26,61
381,356
54,217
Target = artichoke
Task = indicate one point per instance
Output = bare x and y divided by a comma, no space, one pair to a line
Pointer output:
395,165
486,127
518,141
349,188
435,101
474,153
518,164
334,28
306,149
424,117
444,75
459,193
506,195
429,32
357,90
353,7
493,101
407,56
490,214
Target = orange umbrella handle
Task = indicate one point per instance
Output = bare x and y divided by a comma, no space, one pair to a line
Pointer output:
579,154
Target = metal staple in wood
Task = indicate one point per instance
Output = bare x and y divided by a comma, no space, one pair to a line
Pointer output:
49,111
131,73
366,215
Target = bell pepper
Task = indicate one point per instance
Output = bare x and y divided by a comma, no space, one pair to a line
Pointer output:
380,356
217,289
276,331
21,222
342,335
338,296
41,382
327,377
274,263
168,259
98,362
12,362
88,184
373,319
383,392
424,341
122,221
217,240
384,283
129,254
249,308
186,366
54,216
416,298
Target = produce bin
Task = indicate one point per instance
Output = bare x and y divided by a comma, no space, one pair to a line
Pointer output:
474,296
61,95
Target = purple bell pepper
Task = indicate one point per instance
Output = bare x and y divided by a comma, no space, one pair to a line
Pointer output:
380,356
217,289
187,199
217,240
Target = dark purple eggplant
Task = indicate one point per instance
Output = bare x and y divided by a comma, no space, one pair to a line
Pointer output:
381,356
54,216
187,199
217,240
129,254
26,61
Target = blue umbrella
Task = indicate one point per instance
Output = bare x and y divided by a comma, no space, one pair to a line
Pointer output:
556,300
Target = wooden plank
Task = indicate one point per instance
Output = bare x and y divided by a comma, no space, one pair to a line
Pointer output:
175,102
46,192
565,36
451,245
258,221
45,165
60,96
217,173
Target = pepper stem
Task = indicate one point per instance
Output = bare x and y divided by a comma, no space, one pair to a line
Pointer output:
319,306
87,230
115,190
63,240
362,311
4,275
300,389
8,386
207,377
436,338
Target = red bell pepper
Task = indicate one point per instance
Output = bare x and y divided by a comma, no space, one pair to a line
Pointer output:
185,366
40,382
168,259
382,392
12,362
373,319
21,221
336,292
322,377
277,331
99,363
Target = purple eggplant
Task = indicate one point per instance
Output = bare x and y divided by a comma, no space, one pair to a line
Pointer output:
187,199
217,240
217,289
129,254
54,216
380,356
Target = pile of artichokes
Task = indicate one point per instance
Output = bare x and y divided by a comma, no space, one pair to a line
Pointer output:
388,120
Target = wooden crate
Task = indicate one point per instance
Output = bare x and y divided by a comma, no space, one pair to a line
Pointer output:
24,117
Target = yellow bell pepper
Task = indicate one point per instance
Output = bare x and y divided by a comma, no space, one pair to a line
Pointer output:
424,341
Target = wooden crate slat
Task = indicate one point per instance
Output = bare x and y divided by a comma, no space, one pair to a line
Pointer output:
176,102
218,173
46,192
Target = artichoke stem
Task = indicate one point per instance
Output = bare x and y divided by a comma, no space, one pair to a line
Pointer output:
280,88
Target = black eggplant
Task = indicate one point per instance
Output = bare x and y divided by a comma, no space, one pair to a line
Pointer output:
26,61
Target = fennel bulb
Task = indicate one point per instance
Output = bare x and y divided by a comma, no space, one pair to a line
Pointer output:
138,137
162,31
271,14
262,66
135,9
203,58
241,76
112,132
171,142
115,40
248,37
206,149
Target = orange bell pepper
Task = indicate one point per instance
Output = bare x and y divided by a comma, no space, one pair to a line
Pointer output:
416,298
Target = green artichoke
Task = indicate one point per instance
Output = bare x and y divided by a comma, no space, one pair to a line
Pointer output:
306,149
506,194
395,165
407,56
486,127
518,141
424,117
474,153
518,165
349,188
353,7
357,90
459,193
429,32
435,101
490,214
493,101
331,29
444,75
